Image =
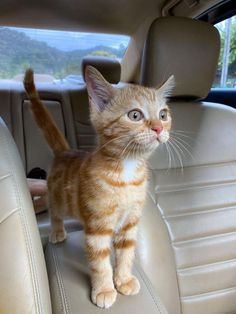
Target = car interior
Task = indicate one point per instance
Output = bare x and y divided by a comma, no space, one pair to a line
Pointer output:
186,248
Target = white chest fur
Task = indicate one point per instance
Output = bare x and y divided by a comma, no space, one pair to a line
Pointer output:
130,169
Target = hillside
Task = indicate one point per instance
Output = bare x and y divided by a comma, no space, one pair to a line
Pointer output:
18,51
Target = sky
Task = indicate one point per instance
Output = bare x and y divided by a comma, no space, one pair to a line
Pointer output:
68,41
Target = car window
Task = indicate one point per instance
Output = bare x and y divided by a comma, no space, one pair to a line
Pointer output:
226,71
54,55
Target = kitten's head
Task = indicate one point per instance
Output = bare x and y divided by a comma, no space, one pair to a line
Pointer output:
129,121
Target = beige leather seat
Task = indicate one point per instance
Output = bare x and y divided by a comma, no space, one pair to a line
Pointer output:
187,243
23,277
188,234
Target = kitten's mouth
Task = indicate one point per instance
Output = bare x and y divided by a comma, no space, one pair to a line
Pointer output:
157,139
155,142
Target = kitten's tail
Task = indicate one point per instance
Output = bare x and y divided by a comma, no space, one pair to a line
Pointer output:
43,118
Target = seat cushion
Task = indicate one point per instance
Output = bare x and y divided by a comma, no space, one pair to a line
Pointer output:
191,212
198,207
70,284
23,278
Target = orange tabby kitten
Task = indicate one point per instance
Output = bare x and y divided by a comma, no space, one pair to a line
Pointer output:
106,190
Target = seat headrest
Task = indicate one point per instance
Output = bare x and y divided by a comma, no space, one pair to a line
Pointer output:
108,67
185,47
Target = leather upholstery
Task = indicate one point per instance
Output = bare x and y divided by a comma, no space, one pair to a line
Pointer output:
109,68
23,276
70,284
190,209
155,255
191,213
187,48
34,139
207,129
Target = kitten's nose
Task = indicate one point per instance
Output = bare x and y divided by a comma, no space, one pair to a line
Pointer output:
158,129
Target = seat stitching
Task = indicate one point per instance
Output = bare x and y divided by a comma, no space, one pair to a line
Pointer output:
62,291
220,291
204,210
24,226
5,176
160,307
32,264
155,205
204,266
9,214
57,281
202,238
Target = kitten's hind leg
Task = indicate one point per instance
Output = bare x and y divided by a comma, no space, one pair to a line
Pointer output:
58,232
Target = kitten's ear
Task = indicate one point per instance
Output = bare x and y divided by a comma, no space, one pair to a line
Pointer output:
166,88
99,90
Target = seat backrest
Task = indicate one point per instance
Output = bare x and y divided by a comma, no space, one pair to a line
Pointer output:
15,111
191,211
187,48
23,278
37,151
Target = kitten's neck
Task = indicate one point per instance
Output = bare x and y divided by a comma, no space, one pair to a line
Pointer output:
127,168
117,153
119,156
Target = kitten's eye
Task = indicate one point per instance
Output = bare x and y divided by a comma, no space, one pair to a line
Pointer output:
135,115
163,114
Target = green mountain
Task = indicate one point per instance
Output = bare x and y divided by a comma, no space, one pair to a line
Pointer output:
18,52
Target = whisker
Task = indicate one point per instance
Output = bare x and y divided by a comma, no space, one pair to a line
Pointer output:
169,156
172,154
182,143
177,153
111,141
183,131
183,135
181,139
179,147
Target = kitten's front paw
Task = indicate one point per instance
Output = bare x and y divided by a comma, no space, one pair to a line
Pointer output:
104,299
130,287
57,236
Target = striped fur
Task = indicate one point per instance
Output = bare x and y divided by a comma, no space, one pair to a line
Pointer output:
43,117
105,189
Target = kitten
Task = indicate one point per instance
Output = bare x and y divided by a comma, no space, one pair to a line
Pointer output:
106,190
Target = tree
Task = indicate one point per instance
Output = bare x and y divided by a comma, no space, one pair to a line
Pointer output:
232,51
102,53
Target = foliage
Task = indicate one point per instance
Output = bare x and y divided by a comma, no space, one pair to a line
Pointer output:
232,53
18,52
102,53
231,79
